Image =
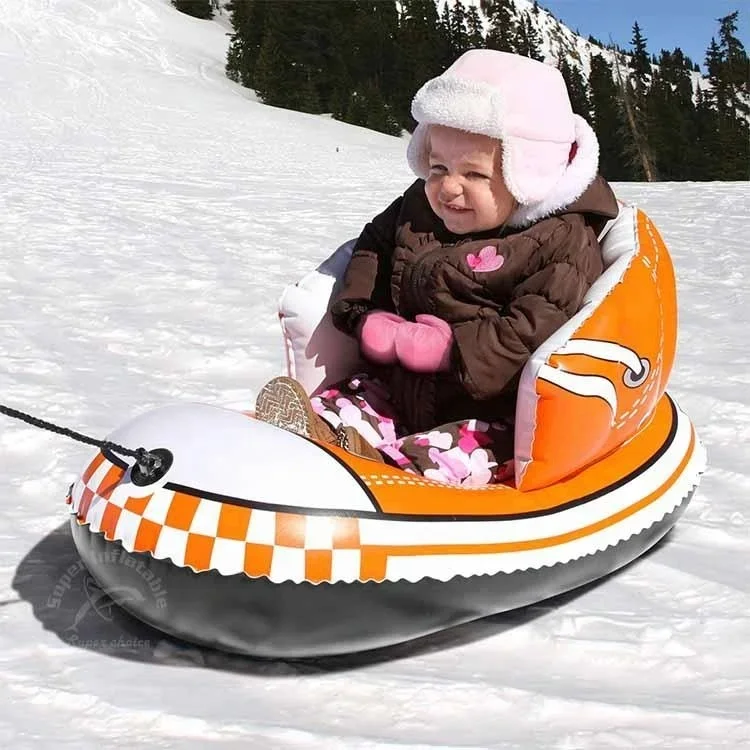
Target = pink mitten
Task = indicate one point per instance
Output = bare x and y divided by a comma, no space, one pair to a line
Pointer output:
425,345
377,335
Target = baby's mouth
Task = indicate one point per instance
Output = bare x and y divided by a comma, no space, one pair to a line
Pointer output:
456,209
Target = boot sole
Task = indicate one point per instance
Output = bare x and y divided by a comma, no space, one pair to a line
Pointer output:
283,403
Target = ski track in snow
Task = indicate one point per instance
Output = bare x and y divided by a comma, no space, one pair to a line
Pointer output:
152,213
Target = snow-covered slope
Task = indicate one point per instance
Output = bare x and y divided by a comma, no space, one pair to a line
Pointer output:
150,215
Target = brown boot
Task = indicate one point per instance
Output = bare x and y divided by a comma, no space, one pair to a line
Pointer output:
283,402
350,440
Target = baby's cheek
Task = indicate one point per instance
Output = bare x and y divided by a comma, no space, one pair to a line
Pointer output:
503,209
488,202
431,191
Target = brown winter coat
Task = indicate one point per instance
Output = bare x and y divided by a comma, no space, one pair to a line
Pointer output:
406,262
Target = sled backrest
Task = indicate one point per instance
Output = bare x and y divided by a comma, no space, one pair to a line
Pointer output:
597,379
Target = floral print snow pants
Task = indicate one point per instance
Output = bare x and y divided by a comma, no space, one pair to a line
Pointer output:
470,453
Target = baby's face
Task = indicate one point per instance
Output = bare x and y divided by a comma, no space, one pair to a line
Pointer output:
465,187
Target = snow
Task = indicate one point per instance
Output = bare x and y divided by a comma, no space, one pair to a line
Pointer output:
152,213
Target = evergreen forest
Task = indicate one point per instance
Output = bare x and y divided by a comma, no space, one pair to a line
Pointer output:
656,115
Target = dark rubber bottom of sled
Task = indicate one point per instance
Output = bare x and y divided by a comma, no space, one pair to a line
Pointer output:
256,617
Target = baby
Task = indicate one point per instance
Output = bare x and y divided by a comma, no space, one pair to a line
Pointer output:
451,289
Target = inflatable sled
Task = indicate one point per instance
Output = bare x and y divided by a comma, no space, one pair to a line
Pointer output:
265,543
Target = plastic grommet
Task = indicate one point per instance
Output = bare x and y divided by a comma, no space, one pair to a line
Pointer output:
634,379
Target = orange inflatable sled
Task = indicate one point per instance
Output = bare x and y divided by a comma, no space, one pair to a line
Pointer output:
344,554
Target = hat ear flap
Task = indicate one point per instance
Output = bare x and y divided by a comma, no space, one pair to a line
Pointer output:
578,173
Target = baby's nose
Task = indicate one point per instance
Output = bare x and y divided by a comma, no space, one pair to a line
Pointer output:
449,188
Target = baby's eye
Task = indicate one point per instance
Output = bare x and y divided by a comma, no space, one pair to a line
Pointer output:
437,169
478,176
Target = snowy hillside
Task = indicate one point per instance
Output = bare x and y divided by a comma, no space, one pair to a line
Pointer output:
152,213
557,40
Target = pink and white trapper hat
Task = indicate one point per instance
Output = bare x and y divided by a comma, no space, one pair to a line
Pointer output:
550,154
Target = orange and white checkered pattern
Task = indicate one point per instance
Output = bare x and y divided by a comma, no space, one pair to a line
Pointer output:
203,534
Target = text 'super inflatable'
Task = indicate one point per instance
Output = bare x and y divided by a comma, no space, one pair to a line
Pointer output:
265,543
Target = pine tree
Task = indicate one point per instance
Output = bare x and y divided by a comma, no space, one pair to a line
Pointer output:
718,94
424,51
248,23
369,109
202,9
268,77
606,120
528,39
503,31
366,68
671,114
352,51
365,42
474,27
446,26
641,64
356,110
632,96
633,132
706,158
577,89
736,63
308,98
458,28
299,64
725,104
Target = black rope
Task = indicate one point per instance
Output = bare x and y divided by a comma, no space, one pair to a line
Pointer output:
147,462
